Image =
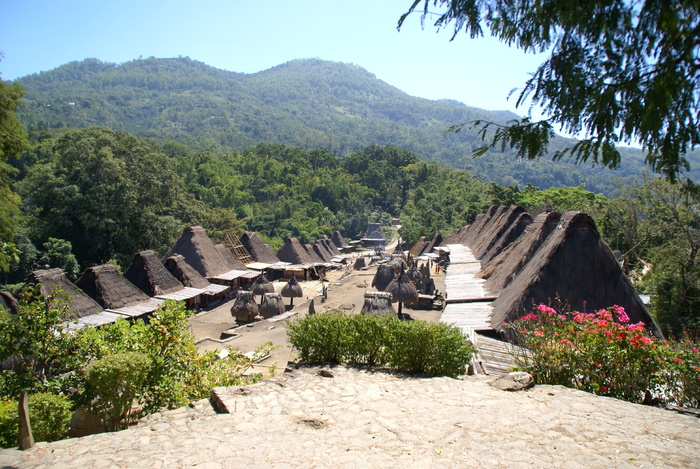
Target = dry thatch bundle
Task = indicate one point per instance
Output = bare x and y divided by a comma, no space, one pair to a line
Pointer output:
244,309
402,290
80,305
383,277
294,253
272,305
260,286
502,269
575,264
292,290
150,276
184,272
109,288
378,303
199,252
397,263
260,251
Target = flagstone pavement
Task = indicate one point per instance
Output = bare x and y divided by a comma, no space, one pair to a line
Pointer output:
374,419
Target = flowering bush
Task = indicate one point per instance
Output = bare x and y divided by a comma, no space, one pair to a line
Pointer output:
603,353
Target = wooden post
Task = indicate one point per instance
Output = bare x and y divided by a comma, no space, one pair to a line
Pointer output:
26,439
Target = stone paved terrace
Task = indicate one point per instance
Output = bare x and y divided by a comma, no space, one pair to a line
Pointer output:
362,418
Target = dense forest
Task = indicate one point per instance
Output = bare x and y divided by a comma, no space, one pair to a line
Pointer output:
311,104
77,194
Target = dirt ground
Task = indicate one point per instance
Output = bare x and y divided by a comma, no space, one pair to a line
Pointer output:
346,291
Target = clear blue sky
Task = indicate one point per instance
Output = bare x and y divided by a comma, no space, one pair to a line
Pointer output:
249,36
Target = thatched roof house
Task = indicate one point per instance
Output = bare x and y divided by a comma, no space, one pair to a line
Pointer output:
150,276
574,263
504,227
383,277
199,252
502,269
80,305
471,233
340,242
419,247
113,292
330,245
294,253
260,251
229,257
374,236
189,277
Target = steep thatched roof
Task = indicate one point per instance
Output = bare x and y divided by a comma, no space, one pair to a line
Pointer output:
244,309
260,251
378,303
109,288
435,242
150,276
228,256
339,241
491,239
575,264
329,245
402,289
315,256
374,232
272,305
383,277
511,234
199,252
502,269
419,247
184,272
456,236
359,263
294,253
292,289
81,304
472,232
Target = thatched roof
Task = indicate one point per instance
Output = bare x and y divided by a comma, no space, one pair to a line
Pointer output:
456,236
150,276
292,289
81,304
199,252
244,308
272,305
323,248
491,239
315,256
575,264
435,242
383,277
109,288
339,241
359,263
329,245
402,289
419,247
260,251
320,251
184,272
228,256
374,232
261,285
294,253
378,303
502,269
472,232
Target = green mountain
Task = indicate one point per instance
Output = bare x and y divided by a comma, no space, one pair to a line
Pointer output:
308,103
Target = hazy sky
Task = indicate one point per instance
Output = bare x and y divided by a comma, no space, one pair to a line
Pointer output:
249,36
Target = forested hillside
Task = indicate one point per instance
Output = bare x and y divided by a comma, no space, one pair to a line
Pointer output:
307,103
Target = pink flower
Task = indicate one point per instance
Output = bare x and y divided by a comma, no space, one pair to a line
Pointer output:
676,359
538,333
566,342
621,314
580,317
544,309
529,317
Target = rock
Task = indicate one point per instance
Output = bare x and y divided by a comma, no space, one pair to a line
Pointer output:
514,382
325,373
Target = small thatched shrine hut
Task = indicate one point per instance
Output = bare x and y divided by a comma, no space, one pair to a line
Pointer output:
260,251
402,290
378,303
112,291
292,290
261,285
272,305
81,305
244,309
383,277
359,264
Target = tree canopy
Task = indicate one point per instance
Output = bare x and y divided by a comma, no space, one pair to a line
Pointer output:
618,72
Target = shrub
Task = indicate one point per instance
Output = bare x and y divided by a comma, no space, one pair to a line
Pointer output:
601,353
49,415
414,346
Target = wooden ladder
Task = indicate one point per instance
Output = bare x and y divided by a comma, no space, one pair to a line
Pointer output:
237,249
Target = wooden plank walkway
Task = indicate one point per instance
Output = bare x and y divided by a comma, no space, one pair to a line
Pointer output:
468,306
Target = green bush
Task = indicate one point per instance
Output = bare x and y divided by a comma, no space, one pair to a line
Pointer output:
414,346
49,416
113,383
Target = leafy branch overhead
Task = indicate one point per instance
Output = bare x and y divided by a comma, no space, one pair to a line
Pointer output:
618,72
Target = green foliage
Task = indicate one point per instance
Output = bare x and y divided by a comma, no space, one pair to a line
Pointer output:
113,382
49,415
617,71
59,253
601,353
413,346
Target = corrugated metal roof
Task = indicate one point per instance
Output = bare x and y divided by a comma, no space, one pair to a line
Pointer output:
99,319
185,294
139,309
